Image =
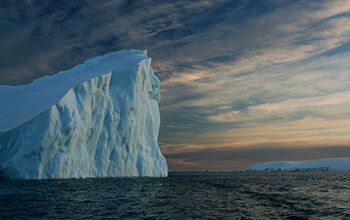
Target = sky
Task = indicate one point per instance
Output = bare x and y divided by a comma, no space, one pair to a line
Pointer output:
242,81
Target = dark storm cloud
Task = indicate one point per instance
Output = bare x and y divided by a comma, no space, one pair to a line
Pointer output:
43,37
47,36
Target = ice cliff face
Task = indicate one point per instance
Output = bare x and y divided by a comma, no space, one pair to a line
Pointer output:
99,119
316,165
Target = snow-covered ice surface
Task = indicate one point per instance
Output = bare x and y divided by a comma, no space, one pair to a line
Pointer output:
99,119
334,164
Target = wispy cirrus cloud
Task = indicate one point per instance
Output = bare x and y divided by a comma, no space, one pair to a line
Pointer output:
287,86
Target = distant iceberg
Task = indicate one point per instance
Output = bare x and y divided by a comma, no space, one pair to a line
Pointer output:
333,164
99,119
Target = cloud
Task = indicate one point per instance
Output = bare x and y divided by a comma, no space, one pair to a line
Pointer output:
317,88
333,106
278,46
281,71
238,158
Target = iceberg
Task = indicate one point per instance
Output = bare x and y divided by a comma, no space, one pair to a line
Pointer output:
331,164
98,119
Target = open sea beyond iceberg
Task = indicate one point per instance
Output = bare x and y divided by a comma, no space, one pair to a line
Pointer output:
182,195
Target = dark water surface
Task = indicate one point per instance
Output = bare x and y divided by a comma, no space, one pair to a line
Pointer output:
276,195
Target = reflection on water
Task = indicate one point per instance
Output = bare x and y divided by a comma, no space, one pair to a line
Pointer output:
293,195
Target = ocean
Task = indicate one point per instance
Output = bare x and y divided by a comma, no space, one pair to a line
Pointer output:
183,195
